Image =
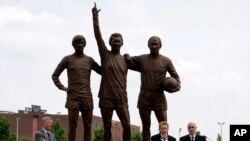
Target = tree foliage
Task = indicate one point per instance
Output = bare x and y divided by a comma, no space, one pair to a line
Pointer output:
98,134
5,134
58,131
218,137
136,136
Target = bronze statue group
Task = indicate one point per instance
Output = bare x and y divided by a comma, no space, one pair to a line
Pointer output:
153,68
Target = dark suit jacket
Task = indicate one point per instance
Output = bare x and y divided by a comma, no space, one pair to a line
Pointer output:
197,138
43,136
157,137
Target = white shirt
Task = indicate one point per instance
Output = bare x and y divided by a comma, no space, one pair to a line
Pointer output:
192,136
162,138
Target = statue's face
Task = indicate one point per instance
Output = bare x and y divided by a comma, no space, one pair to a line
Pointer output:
116,43
154,45
79,45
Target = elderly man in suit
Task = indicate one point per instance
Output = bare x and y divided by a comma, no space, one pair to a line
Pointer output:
192,136
45,133
163,135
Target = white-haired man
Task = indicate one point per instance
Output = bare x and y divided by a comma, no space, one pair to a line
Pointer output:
45,133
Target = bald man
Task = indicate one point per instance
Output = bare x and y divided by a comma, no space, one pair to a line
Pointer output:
192,136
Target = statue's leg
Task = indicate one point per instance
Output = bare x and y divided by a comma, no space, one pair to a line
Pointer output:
123,115
73,117
87,115
161,115
145,118
107,114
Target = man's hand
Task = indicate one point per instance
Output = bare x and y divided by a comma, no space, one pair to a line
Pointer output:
64,88
127,57
95,11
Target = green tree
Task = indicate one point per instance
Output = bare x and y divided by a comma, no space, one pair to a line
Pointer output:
218,137
99,133
5,134
136,136
58,131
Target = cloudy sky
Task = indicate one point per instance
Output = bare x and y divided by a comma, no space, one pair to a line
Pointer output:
207,40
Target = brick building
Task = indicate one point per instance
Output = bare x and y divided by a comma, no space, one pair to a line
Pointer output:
28,122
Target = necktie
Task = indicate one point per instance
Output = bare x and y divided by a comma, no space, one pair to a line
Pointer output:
192,138
49,139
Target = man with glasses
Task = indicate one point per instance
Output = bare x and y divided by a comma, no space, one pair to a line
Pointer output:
192,136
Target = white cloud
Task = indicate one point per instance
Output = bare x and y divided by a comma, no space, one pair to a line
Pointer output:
53,19
19,15
188,66
14,14
231,80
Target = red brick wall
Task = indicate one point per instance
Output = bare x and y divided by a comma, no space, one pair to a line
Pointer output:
30,122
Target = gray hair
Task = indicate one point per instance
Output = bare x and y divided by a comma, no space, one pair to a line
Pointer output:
44,119
163,123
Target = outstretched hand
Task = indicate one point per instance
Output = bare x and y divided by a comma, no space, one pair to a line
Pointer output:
95,11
